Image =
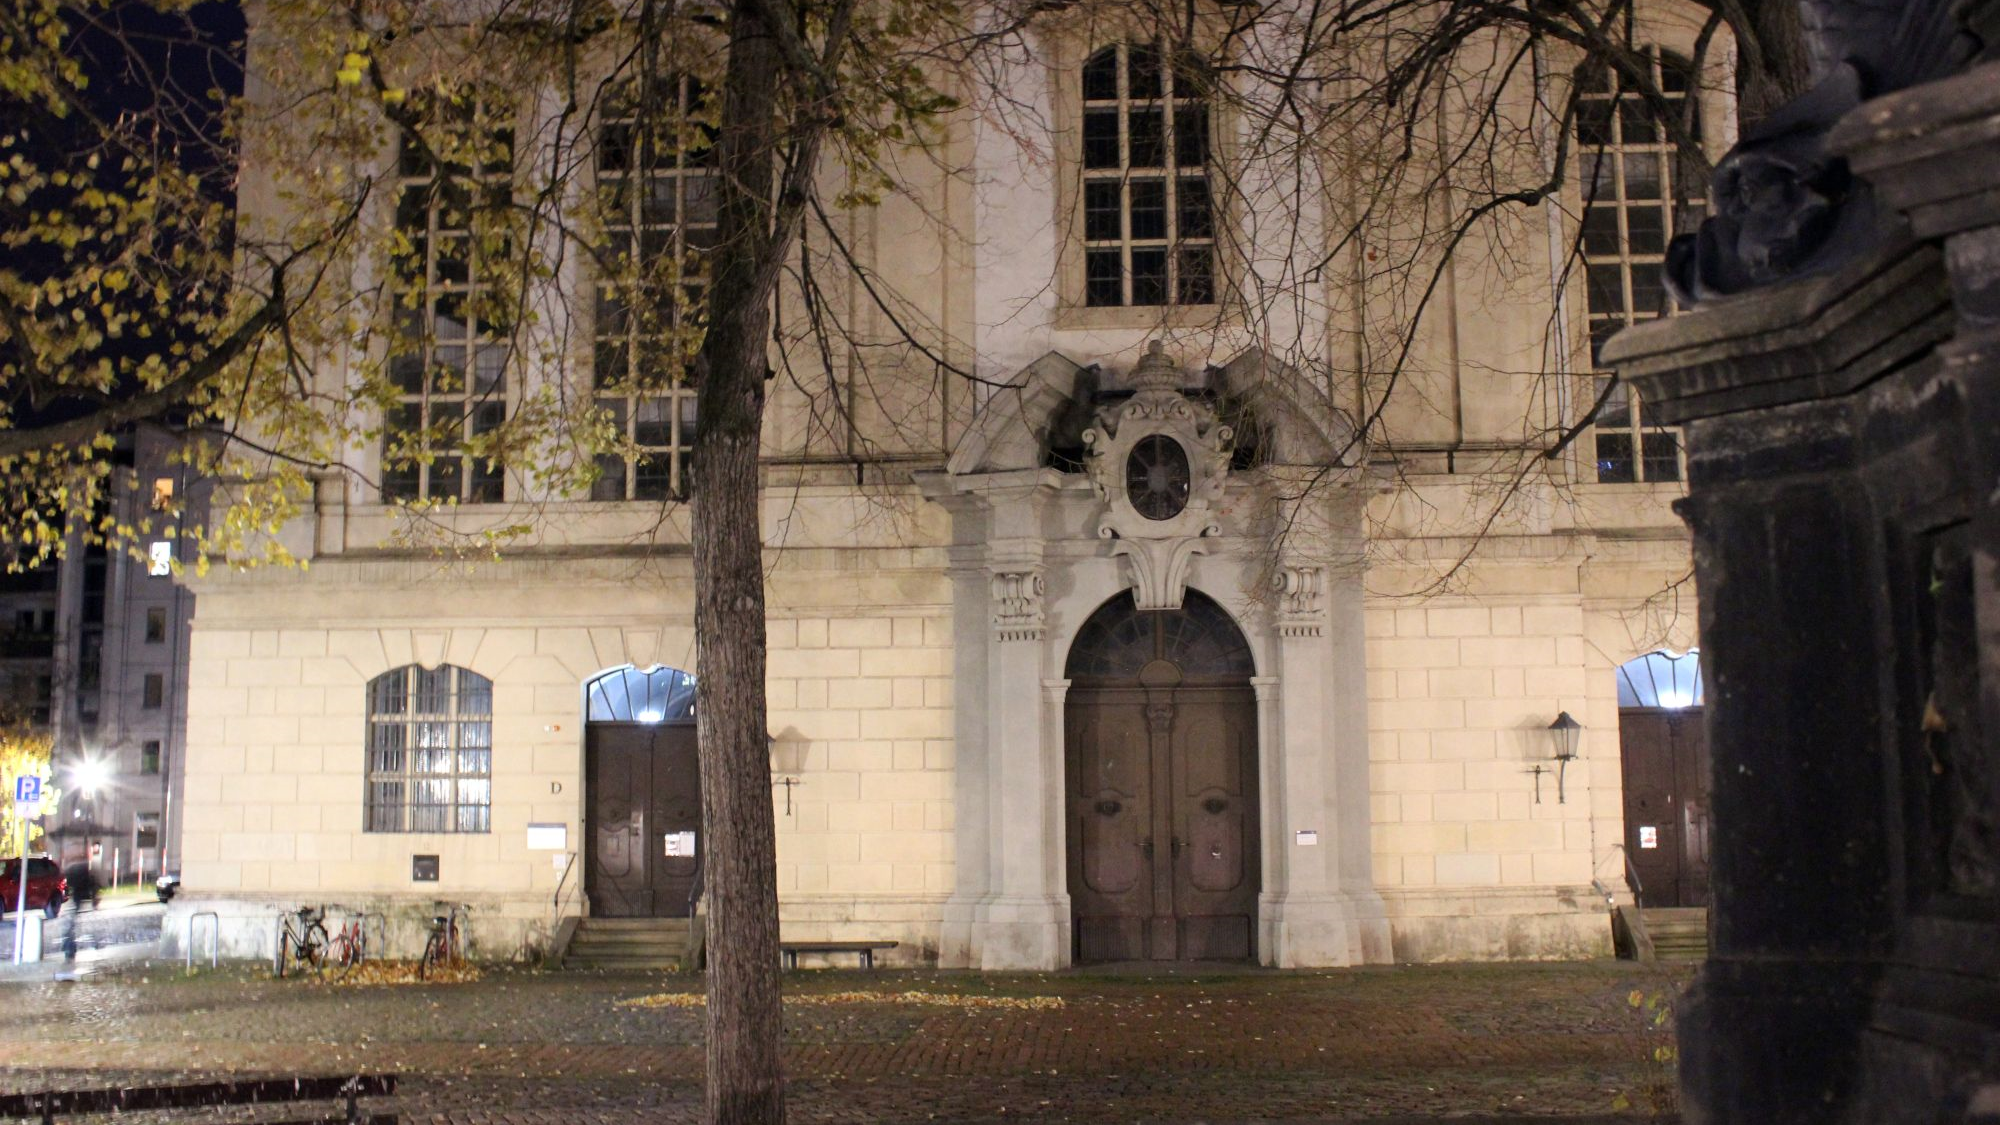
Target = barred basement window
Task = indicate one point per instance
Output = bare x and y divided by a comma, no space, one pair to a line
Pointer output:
430,751
1639,187
449,363
1148,215
656,183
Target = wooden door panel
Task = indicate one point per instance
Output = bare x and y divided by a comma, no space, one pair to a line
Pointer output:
1690,738
617,879
643,781
1109,824
1215,815
1193,894
1665,766
676,801
1229,937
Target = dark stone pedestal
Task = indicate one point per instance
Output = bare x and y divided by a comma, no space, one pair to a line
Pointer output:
1843,439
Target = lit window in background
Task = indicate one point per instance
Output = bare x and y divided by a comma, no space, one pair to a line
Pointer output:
163,493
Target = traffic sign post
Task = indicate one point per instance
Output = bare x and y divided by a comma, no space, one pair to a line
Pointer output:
27,802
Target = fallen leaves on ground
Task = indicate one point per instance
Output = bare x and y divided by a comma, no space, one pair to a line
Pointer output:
829,999
404,972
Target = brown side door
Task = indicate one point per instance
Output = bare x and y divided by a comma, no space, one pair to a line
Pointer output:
1162,823
644,801
1665,758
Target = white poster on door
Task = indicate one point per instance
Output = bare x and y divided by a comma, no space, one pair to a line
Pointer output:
680,844
1649,836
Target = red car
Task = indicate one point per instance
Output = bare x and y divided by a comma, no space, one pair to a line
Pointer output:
46,885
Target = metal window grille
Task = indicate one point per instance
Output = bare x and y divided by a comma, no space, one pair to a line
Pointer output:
1148,211
430,751
656,184
1638,189
453,330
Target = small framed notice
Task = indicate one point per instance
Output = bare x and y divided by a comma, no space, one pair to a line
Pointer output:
548,837
680,844
423,869
1308,838
1649,836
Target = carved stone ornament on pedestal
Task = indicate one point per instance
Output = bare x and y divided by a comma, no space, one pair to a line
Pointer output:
1017,605
1159,461
1299,609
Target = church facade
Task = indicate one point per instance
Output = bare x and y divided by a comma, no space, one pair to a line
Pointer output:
1155,640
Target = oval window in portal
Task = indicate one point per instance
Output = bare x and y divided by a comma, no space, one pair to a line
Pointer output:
1157,477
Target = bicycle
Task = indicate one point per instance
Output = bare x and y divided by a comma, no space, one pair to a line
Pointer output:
445,944
349,945
303,941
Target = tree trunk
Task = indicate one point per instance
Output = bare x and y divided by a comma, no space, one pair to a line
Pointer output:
1773,64
744,1083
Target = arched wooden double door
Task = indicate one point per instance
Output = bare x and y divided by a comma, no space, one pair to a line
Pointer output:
1160,737
642,776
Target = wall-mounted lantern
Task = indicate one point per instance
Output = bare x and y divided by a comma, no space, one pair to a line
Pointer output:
1566,733
788,760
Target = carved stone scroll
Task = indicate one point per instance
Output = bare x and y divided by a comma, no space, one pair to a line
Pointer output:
1017,605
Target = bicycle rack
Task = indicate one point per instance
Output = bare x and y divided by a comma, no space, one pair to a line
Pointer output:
214,934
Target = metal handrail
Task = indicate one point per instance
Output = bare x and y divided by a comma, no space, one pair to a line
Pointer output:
555,901
215,938
694,892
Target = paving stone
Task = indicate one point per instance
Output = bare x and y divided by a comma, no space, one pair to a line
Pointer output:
522,1048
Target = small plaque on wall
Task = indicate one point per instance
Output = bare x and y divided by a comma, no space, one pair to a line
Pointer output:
548,837
423,869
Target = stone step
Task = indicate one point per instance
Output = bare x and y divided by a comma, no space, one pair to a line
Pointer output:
625,964
629,944
1678,933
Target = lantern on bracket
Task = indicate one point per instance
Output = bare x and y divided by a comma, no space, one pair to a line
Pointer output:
1567,734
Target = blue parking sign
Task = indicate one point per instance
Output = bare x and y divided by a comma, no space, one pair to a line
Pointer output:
27,795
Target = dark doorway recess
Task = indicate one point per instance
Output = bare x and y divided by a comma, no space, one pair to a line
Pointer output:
642,776
1161,798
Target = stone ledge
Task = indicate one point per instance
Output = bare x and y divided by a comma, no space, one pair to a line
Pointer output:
1812,339
1933,152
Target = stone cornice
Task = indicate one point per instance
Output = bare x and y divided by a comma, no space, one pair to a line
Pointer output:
1809,340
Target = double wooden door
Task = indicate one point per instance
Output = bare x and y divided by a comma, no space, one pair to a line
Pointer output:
1162,810
1665,755
644,797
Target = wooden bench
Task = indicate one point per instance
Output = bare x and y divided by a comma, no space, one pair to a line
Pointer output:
788,951
209,1095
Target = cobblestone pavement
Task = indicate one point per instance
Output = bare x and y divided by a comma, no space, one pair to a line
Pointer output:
518,1048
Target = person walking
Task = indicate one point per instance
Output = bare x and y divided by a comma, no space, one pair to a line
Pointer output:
82,889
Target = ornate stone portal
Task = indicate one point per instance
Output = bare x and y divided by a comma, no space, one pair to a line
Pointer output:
1158,510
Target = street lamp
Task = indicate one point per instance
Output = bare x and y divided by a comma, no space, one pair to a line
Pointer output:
1566,733
88,774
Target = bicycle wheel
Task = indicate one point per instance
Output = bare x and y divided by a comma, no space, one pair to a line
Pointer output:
312,951
340,953
284,950
434,952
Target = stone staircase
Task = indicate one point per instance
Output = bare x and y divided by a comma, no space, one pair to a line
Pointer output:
630,944
1678,933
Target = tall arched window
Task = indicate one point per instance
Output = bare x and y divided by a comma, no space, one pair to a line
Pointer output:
656,181
1148,215
453,336
430,751
1639,187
